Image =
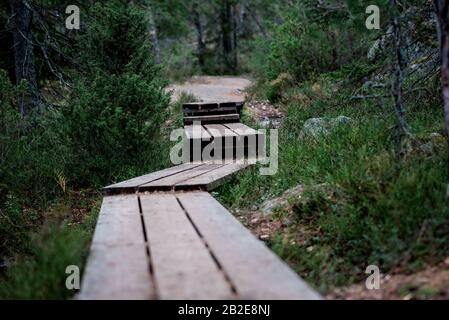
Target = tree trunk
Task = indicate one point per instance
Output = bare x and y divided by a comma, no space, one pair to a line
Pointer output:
22,16
227,36
201,47
399,66
153,37
442,15
234,35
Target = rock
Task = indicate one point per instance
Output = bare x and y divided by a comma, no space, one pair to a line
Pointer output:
435,135
436,140
286,222
278,86
446,261
427,148
341,120
315,127
264,237
268,206
254,221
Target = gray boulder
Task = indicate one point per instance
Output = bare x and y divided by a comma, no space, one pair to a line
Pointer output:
315,127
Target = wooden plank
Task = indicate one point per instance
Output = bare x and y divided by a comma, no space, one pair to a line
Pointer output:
212,118
247,137
200,105
131,185
116,273
212,179
211,105
220,131
237,104
168,183
182,265
224,139
241,129
256,272
119,222
196,132
118,264
200,112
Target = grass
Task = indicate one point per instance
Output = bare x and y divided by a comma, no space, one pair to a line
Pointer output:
63,240
361,205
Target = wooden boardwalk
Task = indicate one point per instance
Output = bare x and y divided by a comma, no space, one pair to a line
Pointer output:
163,236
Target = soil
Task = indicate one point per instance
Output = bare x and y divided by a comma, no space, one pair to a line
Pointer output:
213,88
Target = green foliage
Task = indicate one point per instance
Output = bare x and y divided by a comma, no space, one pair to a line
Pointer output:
107,129
42,273
305,49
179,61
116,33
114,117
113,125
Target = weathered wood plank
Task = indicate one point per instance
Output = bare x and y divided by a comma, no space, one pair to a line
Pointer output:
212,179
118,264
117,273
205,105
168,183
201,105
183,267
212,118
241,129
194,111
132,184
218,131
223,143
256,272
247,137
196,132
119,222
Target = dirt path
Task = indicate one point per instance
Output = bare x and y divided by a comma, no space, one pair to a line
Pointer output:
213,88
224,88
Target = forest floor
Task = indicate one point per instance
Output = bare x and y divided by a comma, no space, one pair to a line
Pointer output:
430,283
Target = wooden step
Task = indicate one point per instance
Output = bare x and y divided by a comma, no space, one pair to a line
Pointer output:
245,141
181,246
132,185
209,105
205,112
220,118
179,178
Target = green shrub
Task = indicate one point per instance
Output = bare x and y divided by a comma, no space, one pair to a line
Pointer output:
118,106
113,125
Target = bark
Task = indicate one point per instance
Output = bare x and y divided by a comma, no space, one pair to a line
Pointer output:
21,20
201,47
399,67
152,31
227,35
442,15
